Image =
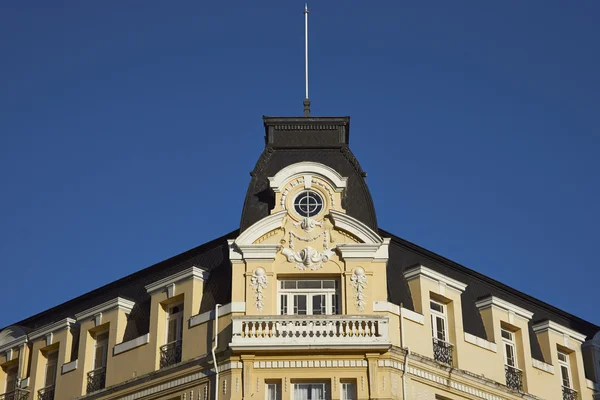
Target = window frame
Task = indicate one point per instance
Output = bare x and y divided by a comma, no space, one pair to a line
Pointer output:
509,343
567,365
286,297
55,361
344,385
16,380
325,385
179,327
277,385
434,322
104,353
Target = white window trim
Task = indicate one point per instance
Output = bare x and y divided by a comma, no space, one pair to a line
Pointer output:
566,364
279,395
444,317
179,316
330,297
55,368
511,343
16,368
344,390
105,355
326,394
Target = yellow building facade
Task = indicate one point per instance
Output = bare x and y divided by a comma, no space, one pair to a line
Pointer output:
308,300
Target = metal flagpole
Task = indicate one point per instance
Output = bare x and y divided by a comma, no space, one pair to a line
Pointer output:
306,100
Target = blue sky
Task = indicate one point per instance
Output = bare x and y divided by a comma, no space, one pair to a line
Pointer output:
127,131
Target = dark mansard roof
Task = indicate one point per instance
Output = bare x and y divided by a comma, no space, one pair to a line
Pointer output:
288,141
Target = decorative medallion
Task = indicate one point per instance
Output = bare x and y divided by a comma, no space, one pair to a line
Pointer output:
358,281
259,282
308,224
308,257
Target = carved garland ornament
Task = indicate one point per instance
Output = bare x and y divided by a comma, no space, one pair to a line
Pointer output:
259,282
308,258
358,281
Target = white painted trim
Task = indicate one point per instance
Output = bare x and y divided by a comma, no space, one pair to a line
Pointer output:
484,344
592,385
52,328
504,305
235,307
413,316
131,344
259,228
15,343
311,364
70,366
12,336
190,273
418,271
24,383
281,178
116,303
557,328
265,252
542,366
355,227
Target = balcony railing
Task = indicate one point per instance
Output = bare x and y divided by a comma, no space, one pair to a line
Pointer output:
442,351
18,394
514,377
96,379
46,393
569,394
170,354
287,331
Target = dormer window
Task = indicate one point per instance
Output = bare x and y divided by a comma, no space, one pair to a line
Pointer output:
308,203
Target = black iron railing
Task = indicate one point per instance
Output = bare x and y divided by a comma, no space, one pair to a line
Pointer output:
17,394
170,354
442,351
514,377
569,394
96,379
46,393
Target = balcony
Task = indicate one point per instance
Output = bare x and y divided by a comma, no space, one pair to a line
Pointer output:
18,394
170,354
310,331
569,394
96,379
442,351
46,393
514,378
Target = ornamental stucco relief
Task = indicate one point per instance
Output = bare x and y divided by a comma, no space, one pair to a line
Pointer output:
259,282
358,281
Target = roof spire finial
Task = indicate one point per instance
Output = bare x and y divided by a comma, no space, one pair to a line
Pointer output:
306,100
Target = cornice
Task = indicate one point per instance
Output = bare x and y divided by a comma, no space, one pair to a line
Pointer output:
363,232
557,328
116,303
265,252
418,271
190,273
15,343
493,301
51,328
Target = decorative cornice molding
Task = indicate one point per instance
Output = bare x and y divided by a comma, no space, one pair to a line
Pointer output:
52,328
557,328
385,306
493,301
363,232
420,270
323,171
118,303
190,273
15,343
259,228
311,364
265,252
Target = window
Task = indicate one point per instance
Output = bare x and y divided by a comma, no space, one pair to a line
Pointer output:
273,391
51,363
310,391
510,355
565,369
308,203
174,323
100,350
308,297
439,321
348,390
11,378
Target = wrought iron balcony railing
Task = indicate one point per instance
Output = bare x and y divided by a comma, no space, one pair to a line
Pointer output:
514,377
46,393
96,379
569,394
170,354
18,394
442,351
301,331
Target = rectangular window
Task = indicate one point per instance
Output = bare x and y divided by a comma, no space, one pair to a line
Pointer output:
51,364
310,391
174,323
439,322
100,350
11,378
273,391
348,390
510,354
308,297
565,369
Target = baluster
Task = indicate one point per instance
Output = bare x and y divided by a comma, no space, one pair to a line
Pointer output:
245,330
370,328
253,329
